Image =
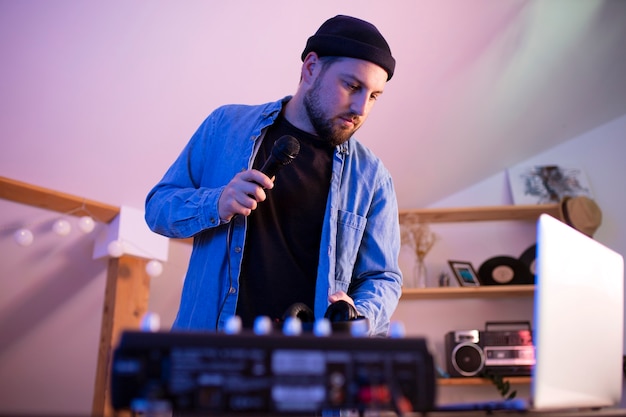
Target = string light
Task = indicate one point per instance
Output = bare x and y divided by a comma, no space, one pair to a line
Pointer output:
86,224
397,330
115,248
62,227
154,268
23,237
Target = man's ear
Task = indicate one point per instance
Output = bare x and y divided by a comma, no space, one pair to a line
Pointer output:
310,65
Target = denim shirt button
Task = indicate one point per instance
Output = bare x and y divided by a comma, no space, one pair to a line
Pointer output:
232,290
238,249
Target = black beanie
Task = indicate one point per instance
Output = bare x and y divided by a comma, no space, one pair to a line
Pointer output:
353,38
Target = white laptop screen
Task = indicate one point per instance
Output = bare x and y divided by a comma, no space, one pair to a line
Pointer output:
579,320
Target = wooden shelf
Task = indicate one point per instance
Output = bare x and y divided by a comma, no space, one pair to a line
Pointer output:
475,214
491,291
528,213
481,381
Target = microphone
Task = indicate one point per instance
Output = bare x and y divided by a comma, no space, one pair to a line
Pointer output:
285,150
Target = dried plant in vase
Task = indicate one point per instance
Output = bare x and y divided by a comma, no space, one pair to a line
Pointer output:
420,239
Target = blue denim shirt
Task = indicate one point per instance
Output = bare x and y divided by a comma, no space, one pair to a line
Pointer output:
360,237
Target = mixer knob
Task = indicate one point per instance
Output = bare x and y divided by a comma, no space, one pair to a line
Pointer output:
397,330
262,325
233,325
322,327
292,326
150,322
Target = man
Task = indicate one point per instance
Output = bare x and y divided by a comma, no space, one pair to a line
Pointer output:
324,229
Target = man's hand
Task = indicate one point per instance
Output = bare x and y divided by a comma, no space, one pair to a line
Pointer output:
243,193
340,295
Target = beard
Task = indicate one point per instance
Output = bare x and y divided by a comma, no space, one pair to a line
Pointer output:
322,123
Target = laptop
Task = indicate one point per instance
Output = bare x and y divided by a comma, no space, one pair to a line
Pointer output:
578,324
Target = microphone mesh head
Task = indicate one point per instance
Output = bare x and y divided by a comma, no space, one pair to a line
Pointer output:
285,149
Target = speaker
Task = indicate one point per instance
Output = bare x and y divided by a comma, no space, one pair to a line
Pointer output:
464,355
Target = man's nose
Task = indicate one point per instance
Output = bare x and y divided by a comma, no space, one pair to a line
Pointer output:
359,105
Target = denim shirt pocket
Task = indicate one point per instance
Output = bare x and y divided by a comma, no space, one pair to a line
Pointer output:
350,230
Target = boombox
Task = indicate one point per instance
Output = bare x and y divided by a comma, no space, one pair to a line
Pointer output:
500,352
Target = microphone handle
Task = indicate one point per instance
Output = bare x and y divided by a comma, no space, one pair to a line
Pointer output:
271,166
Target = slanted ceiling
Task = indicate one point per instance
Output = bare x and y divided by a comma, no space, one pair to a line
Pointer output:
98,98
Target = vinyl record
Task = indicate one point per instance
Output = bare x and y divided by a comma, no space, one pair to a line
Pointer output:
504,270
528,258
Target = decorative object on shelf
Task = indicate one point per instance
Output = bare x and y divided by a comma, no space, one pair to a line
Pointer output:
528,258
420,239
528,213
504,270
444,279
503,386
464,273
545,184
581,213
420,274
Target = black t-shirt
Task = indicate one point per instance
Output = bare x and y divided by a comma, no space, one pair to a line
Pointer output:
281,253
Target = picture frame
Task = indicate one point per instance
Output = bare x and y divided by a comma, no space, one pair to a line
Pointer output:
546,184
464,273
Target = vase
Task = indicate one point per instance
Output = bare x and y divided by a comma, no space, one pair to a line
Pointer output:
419,274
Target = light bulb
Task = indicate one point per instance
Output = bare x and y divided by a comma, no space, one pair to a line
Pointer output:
86,224
115,248
154,268
62,227
23,237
